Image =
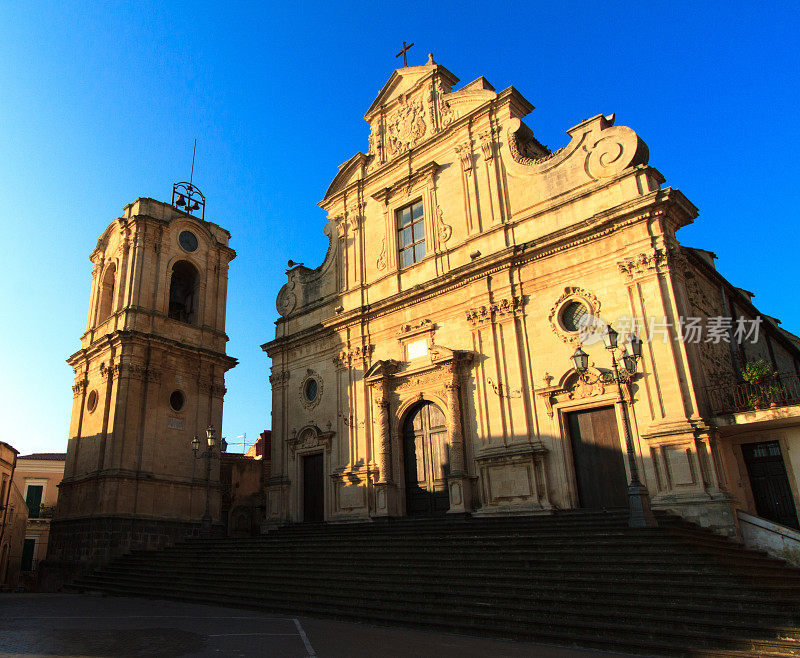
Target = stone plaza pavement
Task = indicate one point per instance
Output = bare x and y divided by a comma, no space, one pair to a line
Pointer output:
79,625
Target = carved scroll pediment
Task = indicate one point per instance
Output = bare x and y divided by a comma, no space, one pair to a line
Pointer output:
572,386
598,148
309,437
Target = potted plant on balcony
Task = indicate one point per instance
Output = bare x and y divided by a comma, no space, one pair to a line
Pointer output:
756,373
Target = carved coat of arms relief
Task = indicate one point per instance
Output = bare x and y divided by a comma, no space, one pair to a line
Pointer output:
406,126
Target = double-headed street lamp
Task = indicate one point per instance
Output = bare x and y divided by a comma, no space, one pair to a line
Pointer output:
641,516
207,454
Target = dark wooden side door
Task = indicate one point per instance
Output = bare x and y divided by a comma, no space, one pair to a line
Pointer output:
769,483
313,489
26,564
596,452
427,461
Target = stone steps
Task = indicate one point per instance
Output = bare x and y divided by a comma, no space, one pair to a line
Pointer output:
578,632
512,600
573,579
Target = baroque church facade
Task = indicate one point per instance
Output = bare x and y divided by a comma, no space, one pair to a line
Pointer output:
425,367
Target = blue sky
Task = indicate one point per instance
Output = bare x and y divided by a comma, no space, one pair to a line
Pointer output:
100,103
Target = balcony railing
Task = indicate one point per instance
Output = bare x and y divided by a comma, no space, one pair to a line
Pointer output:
779,391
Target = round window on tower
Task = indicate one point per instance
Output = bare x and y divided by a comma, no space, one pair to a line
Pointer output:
188,240
91,402
177,400
573,316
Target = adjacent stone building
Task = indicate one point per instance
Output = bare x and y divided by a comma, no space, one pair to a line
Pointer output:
426,366
37,477
13,517
150,376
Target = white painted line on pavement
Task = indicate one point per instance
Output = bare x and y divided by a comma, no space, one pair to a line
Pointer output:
304,637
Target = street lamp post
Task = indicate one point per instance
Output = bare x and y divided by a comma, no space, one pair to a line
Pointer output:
641,516
207,454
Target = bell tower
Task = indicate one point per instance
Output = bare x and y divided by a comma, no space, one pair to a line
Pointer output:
149,377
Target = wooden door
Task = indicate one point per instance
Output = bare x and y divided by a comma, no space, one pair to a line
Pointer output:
26,564
313,489
427,461
769,483
596,453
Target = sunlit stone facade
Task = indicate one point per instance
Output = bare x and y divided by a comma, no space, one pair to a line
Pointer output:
425,366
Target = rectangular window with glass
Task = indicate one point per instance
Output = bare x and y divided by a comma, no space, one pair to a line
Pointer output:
411,234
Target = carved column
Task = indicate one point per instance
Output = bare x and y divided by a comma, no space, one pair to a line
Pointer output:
454,426
384,487
384,432
459,484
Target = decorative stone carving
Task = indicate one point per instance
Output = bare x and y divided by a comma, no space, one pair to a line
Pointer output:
643,263
406,126
279,378
287,300
487,145
446,113
503,390
308,438
315,376
612,153
375,141
381,262
214,389
607,149
341,226
414,328
465,155
572,293
497,311
574,387
79,387
354,356
444,231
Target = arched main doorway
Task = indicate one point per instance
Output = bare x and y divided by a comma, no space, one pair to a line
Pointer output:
427,460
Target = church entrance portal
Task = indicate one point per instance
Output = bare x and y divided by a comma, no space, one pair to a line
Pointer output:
599,468
427,462
768,481
313,489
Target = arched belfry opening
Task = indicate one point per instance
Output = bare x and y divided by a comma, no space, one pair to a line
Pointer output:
106,306
183,292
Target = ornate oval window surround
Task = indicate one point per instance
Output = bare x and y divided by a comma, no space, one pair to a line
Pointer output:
311,387
572,308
